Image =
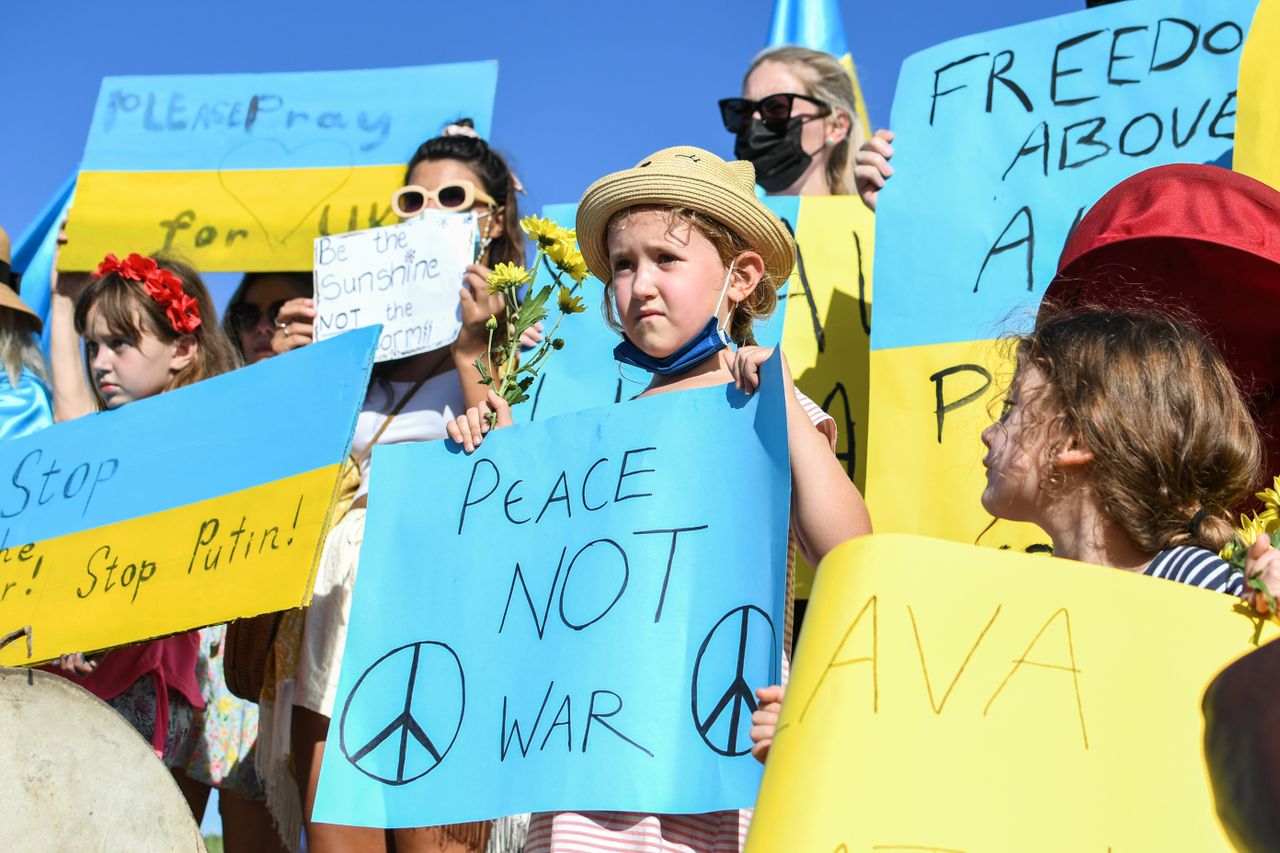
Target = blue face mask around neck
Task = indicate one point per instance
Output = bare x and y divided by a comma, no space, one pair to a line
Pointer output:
697,349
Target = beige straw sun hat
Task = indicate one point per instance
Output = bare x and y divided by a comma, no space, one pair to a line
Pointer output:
695,179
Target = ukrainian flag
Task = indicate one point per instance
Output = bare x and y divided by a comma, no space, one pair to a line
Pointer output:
243,171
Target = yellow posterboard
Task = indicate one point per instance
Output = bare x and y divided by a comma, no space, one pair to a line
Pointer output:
951,698
1257,151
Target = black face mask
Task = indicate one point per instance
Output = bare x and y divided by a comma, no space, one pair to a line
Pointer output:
778,157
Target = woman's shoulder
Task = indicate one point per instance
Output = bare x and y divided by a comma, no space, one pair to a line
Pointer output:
1195,566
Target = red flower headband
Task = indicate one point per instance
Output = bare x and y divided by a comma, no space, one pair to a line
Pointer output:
161,285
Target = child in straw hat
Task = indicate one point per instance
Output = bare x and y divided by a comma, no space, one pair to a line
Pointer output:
691,259
24,394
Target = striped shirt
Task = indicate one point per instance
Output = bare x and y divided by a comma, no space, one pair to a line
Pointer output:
1197,567
627,832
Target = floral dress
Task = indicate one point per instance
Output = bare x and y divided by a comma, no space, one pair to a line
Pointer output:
219,749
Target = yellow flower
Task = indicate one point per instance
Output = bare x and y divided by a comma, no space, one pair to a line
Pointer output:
1250,529
546,232
569,260
506,276
569,304
1271,497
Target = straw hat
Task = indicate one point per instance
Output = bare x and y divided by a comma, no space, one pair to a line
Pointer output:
686,177
8,290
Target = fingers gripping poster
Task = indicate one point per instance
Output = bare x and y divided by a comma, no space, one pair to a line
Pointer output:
578,621
243,171
1003,141
180,510
996,702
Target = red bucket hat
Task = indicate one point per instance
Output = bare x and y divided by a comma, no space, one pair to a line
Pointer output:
1205,239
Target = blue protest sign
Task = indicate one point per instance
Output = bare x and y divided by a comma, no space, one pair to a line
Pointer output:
577,622
1004,140
316,119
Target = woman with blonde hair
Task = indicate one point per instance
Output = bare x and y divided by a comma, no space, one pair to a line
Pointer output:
797,122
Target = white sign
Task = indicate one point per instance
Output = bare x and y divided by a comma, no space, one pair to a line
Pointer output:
405,276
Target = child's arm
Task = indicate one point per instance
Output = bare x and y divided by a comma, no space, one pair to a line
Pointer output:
469,428
1262,561
764,720
72,397
826,507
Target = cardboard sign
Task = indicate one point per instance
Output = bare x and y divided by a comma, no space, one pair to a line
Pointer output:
179,510
1004,140
952,698
405,277
577,622
1257,151
243,171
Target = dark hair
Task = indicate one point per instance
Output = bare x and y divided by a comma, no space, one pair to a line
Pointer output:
301,279
498,182
130,312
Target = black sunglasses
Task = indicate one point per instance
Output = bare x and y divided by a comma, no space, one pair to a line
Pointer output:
775,111
246,316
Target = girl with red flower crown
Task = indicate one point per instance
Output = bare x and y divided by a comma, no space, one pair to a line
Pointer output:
148,326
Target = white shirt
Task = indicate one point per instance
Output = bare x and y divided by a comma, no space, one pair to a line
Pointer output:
423,418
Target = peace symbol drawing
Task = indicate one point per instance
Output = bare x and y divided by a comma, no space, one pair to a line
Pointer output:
404,713
737,656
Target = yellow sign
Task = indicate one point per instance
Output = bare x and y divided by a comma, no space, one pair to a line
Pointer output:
1257,151
266,219
929,455
951,698
237,555
827,330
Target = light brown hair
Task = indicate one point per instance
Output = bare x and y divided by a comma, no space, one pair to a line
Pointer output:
827,80
130,312
757,306
1153,400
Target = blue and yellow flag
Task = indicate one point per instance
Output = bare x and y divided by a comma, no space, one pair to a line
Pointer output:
243,171
194,507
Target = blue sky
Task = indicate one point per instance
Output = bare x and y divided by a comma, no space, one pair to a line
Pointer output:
584,88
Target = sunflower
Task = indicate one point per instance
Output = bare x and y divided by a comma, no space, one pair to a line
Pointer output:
506,276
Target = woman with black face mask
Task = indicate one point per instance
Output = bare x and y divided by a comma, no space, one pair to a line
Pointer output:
796,122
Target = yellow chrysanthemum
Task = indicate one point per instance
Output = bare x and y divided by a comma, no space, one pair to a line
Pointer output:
1271,497
506,276
569,304
568,259
1250,529
545,231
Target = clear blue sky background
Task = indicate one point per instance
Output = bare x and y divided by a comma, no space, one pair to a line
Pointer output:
584,87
